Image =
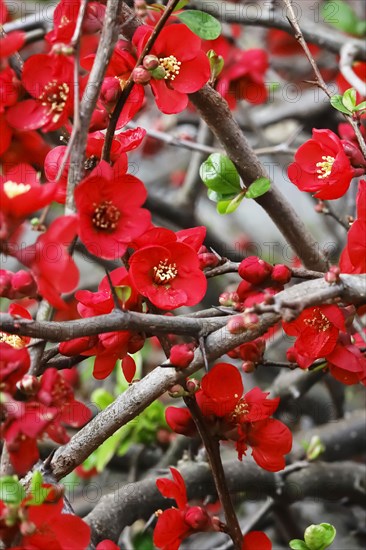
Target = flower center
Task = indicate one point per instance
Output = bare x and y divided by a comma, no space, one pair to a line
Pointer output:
318,322
105,216
171,66
13,189
54,96
164,272
13,340
325,167
241,409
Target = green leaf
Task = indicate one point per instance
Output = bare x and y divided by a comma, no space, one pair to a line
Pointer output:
217,197
202,24
216,64
258,188
143,541
360,29
108,449
297,544
11,491
38,493
229,206
361,106
219,174
336,101
349,99
123,292
181,5
340,15
102,398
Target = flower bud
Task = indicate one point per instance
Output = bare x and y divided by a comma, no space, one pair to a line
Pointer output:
354,154
110,90
319,536
150,62
192,385
208,259
254,270
225,299
281,274
176,391
248,366
181,355
196,517
27,528
158,73
332,275
141,75
236,324
24,283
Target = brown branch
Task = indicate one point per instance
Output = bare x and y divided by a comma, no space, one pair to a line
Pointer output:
133,501
106,46
212,447
216,113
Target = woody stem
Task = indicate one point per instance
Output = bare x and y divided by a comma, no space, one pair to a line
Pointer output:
212,447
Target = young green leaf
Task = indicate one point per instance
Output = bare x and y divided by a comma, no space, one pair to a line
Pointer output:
319,537
297,544
219,174
340,15
349,99
229,206
216,64
361,106
11,491
102,398
336,102
202,24
258,188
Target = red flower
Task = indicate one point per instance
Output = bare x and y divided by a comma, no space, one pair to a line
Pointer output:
111,346
241,418
109,208
21,193
321,166
52,266
346,362
65,16
353,257
14,362
48,78
175,524
56,392
169,276
317,330
186,66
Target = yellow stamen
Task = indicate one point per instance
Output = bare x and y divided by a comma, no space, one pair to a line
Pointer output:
13,189
325,167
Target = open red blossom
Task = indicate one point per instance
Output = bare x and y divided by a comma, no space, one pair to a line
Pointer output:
244,419
175,524
118,71
52,266
65,16
109,208
316,331
186,65
21,193
55,529
110,346
168,275
353,257
57,393
321,166
346,362
14,362
243,75
48,78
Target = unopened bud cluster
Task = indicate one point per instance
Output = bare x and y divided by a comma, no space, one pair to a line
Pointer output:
17,285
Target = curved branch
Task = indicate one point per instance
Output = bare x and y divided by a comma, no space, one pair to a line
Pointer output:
141,499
